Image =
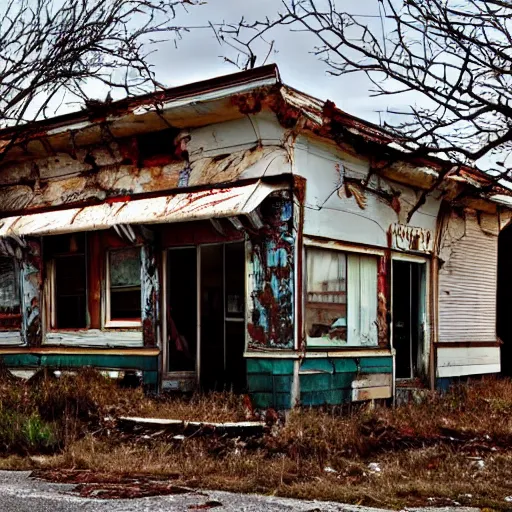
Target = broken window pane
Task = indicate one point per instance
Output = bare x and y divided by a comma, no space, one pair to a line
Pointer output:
10,317
326,304
125,287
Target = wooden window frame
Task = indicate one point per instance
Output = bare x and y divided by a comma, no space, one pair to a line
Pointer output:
108,323
51,277
321,346
12,336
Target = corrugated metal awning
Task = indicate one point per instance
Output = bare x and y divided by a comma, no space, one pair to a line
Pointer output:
204,204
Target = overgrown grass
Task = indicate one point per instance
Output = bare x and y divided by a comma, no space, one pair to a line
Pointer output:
452,447
46,414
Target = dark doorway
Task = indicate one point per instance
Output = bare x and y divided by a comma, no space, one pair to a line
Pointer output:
182,309
408,318
504,298
212,317
219,277
222,316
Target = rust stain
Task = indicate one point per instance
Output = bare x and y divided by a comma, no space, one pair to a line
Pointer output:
382,303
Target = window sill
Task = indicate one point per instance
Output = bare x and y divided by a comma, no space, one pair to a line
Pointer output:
94,338
10,338
123,324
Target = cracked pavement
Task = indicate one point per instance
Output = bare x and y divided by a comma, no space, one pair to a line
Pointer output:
21,493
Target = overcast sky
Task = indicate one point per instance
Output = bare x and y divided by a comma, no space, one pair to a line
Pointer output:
199,56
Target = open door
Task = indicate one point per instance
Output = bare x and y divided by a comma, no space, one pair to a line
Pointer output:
206,314
409,303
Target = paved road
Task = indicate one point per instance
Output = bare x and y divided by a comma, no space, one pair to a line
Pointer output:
20,493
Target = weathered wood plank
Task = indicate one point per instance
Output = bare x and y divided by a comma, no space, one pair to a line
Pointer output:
372,380
376,393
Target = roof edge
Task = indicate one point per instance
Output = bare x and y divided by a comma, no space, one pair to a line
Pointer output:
267,72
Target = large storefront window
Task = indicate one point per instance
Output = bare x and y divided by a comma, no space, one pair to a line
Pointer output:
341,301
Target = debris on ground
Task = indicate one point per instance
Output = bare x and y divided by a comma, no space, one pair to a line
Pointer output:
190,428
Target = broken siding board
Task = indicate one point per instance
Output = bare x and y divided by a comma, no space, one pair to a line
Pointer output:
454,361
318,365
459,371
374,393
334,381
372,380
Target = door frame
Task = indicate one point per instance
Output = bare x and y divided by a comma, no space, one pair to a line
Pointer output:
195,376
426,314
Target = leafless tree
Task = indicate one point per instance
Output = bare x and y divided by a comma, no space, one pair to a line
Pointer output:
56,50
456,53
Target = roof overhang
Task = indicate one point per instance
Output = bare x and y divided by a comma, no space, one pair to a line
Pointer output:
188,206
187,106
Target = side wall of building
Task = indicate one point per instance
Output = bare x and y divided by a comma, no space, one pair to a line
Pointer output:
467,343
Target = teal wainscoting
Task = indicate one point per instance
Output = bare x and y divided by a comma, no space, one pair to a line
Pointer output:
147,364
322,381
332,381
270,382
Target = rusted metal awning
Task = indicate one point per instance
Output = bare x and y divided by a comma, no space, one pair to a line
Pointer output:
205,204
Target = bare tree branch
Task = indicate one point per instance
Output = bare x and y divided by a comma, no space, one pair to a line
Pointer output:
52,50
457,54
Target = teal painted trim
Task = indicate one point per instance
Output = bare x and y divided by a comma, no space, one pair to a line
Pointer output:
283,383
332,385
270,380
271,366
323,365
346,365
377,364
110,361
315,382
260,383
274,400
342,380
150,379
333,397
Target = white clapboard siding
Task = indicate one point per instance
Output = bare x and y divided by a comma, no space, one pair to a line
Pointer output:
458,361
467,282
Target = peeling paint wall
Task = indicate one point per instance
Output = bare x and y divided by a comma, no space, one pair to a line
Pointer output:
338,207
31,279
271,276
150,295
218,153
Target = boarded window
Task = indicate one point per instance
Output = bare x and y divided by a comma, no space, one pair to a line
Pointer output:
10,317
341,303
125,284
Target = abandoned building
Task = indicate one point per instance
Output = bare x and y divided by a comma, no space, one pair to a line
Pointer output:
237,233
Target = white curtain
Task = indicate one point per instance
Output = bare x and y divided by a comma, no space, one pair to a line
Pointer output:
362,300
